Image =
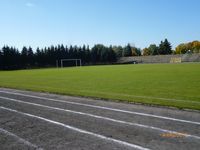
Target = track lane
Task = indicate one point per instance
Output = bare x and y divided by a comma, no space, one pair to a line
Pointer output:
104,118
109,139
106,108
49,135
134,135
155,122
19,139
129,134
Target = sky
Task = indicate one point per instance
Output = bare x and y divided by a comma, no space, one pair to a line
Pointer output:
109,22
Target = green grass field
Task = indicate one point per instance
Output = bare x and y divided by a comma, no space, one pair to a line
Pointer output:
176,85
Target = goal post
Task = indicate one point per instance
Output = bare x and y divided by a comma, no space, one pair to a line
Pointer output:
78,62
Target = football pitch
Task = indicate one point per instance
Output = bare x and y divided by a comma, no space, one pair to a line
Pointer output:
176,85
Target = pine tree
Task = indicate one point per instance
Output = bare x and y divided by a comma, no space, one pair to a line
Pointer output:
127,51
165,48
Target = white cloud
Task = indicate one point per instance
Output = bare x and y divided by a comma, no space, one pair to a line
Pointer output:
29,4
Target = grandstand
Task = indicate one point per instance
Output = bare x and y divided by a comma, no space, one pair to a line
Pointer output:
161,58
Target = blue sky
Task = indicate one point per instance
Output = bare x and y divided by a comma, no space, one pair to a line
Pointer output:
117,22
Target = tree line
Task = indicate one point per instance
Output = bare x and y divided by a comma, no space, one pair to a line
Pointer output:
11,58
191,47
165,48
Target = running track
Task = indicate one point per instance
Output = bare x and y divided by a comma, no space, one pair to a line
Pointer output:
30,120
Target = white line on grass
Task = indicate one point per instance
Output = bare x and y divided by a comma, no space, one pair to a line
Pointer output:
105,108
146,97
19,139
101,117
78,130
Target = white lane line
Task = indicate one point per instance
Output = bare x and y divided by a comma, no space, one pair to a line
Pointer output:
79,130
105,108
19,139
101,117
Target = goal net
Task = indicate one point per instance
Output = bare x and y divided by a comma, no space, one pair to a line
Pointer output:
70,62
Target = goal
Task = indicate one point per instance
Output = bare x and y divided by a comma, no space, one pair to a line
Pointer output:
77,62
